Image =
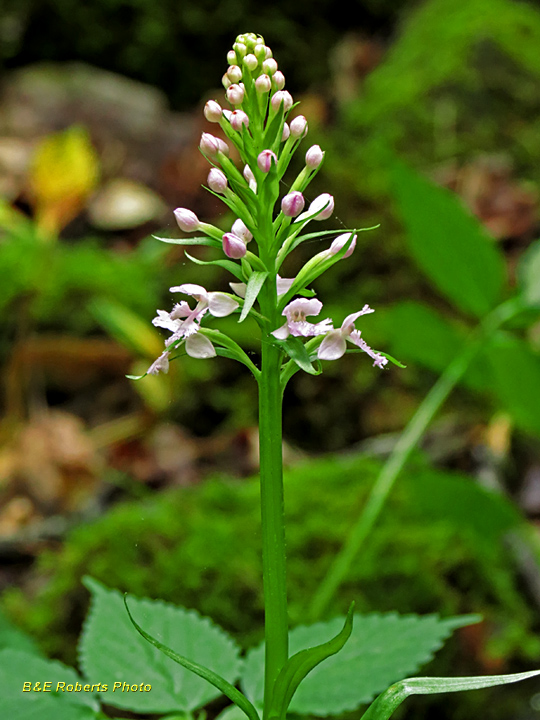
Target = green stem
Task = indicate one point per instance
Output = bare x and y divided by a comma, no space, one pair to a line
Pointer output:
400,454
273,527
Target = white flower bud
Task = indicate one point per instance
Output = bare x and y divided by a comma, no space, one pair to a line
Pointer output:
234,73
263,84
270,66
299,127
213,111
286,132
231,57
235,94
186,219
278,79
250,61
239,118
281,97
241,231
217,180
314,157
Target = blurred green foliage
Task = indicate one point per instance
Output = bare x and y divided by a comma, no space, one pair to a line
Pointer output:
438,548
180,46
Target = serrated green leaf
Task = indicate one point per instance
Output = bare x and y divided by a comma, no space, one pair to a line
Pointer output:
111,648
381,649
298,666
516,379
254,285
528,275
385,704
449,244
17,667
12,637
213,678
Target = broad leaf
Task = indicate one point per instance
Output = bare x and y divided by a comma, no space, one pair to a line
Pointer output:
516,379
65,698
110,647
380,650
449,244
213,678
12,637
385,704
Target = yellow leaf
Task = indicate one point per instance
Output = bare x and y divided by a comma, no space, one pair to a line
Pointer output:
64,173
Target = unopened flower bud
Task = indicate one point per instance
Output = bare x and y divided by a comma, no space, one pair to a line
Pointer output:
209,144
265,160
267,52
292,204
240,49
237,119
282,96
213,111
233,246
326,203
250,177
286,132
231,57
186,219
269,66
340,242
226,82
263,84
241,231
235,94
234,73
299,127
278,78
217,180
260,51
250,61
314,157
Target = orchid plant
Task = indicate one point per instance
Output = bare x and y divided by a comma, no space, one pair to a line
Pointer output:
320,669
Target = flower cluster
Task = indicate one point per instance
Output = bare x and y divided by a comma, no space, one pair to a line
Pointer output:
261,124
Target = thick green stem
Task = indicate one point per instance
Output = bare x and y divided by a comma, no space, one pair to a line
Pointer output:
273,527
400,454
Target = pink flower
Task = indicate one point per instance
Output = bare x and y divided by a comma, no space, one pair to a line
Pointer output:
340,242
235,94
160,365
299,127
334,344
234,246
240,230
314,157
279,97
297,325
217,180
186,219
323,205
237,119
265,160
183,322
292,204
